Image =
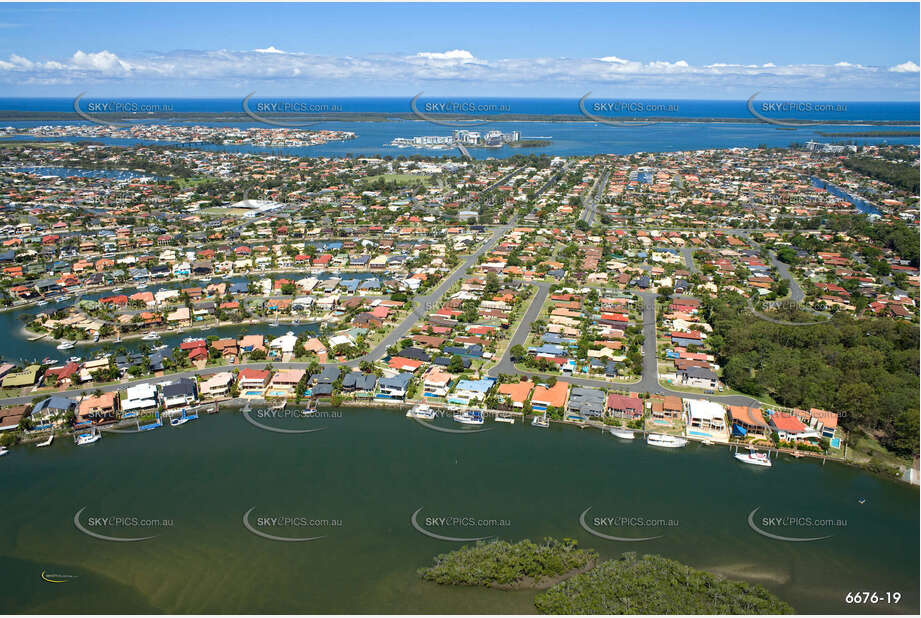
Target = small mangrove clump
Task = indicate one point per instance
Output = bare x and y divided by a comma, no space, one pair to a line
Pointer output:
502,564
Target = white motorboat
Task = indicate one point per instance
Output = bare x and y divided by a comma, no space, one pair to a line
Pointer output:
66,345
421,411
624,434
176,422
87,438
46,442
75,359
540,421
3,451
501,418
150,337
469,417
665,440
41,303
754,458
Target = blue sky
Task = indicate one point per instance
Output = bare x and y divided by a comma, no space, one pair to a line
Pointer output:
845,51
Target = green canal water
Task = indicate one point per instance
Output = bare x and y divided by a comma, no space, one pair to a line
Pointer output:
369,470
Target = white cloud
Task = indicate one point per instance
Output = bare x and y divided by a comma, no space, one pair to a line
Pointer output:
456,68
906,67
461,55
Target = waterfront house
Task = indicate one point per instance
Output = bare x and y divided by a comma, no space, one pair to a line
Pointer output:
63,375
180,393
11,416
252,382
394,387
824,422
139,399
27,377
586,401
554,396
52,408
97,408
359,384
790,428
748,421
435,382
217,385
704,418
284,383
467,392
516,393
623,406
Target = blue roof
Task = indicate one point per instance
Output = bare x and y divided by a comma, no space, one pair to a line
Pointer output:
479,386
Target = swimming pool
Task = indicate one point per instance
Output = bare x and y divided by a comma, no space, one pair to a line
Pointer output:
703,434
836,443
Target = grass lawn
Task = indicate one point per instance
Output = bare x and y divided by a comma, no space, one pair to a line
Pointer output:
860,449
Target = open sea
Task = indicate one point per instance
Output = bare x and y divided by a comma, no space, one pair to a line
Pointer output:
567,138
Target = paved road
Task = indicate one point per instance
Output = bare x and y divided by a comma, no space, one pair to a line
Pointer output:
505,364
688,254
590,211
432,300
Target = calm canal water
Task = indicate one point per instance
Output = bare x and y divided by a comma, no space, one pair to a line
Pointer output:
370,470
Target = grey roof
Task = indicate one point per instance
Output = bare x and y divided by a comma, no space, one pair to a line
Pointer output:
399,381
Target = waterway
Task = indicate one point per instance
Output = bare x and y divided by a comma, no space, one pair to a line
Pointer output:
860,204
17,348
371,469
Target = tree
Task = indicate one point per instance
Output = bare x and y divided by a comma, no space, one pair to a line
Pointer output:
517,352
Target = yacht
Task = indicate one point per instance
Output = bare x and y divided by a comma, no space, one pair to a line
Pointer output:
665,440
623,434
75,359
150,337
41,303
540,421
66,345
176,422
3,451
501,418
754,458
46,442
421,411
87,438
157,348
469,417
310,409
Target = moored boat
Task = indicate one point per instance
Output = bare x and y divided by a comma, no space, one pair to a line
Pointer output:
66,345
623,434
665,440
540,421
150,337
3,451
87,438
46,442
501,418
469,417
421,411
754,458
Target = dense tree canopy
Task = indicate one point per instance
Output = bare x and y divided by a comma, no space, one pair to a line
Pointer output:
866,370
503,563
655,585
